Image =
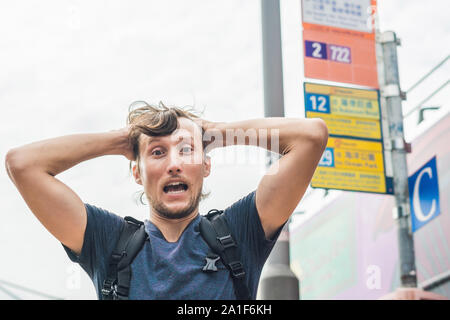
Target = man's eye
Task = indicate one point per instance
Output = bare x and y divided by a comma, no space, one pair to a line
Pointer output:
154,152
186,149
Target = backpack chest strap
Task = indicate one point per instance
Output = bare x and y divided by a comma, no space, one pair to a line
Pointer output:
117,283
216,233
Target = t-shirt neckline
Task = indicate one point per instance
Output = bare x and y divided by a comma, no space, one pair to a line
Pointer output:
152,230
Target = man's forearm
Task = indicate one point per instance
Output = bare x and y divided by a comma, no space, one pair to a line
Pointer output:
276,134
59,154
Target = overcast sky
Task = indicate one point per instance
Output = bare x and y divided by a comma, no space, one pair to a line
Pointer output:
75,67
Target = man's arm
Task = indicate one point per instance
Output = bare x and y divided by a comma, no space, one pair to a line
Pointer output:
301,142
33,168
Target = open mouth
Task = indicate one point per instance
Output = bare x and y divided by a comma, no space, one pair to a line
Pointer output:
175,187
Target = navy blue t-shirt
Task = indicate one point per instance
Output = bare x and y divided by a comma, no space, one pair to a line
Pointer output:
173,270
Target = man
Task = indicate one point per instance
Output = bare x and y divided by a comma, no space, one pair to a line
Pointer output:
168,148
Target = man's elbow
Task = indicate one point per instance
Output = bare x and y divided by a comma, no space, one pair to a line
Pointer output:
320,135
13,162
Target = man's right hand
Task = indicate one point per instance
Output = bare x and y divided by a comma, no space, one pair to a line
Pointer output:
125,146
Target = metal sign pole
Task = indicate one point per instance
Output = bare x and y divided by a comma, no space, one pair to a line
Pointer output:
392,95
277,281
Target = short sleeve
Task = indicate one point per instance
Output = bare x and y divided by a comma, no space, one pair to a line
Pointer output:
244,219
101,234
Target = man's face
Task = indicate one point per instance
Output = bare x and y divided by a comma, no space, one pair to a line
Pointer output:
167,160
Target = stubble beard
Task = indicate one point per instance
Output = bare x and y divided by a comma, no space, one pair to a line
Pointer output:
161,209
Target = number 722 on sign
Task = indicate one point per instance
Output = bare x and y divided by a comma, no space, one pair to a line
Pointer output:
327,51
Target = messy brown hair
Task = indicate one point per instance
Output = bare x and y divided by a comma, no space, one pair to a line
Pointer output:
154,121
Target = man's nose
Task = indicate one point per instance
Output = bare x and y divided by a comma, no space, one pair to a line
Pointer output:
175,163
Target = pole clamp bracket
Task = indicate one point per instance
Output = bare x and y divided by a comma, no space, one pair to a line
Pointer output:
392,90
400,211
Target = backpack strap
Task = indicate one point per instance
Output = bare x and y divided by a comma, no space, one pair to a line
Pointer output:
216,233
117,283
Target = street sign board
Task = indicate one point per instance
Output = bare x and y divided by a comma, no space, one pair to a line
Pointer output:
345,14
339,41
350,164
354,155
424,195
346,111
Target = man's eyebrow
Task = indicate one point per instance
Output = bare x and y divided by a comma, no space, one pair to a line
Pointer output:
151,140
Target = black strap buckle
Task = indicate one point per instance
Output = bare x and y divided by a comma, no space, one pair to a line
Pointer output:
237,269
211,213
227,241
109,289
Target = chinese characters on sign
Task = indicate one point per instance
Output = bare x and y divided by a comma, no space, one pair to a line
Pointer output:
339,41
344,14
339,46
353,158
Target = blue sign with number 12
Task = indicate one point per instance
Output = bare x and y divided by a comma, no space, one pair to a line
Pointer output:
317,102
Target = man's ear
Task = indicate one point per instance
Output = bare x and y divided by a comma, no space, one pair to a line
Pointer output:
207,165
136,174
